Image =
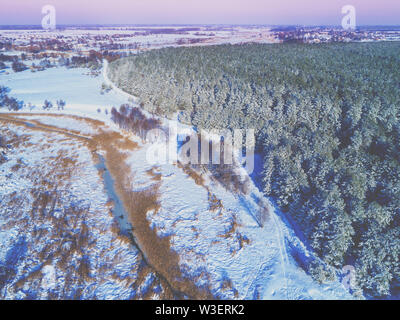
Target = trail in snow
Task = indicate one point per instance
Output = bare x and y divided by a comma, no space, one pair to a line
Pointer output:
282,249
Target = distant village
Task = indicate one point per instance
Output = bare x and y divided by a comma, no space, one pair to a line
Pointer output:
326,35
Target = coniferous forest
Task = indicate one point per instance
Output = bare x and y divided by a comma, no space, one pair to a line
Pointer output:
327,120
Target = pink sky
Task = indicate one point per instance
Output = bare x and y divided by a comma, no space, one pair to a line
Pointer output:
309,12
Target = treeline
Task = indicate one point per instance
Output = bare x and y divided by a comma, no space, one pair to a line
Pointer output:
327,120
10,103
92,61
132,119
8,58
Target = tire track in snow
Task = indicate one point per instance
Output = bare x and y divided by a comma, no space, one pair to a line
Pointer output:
282,248
282,252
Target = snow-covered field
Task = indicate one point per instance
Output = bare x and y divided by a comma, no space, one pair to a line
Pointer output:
59,239
81,92
213,230
145,37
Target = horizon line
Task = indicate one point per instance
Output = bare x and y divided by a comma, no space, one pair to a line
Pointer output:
194,24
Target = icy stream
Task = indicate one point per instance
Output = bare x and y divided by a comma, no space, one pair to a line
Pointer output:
118,210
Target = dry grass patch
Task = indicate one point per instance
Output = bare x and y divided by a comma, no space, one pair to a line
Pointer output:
215,204
94,124
154,175
198,178
234,234
111,141
12,139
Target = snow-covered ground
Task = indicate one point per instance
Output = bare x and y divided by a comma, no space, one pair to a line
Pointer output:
143,38
81,92
58,238
226,246
222,246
